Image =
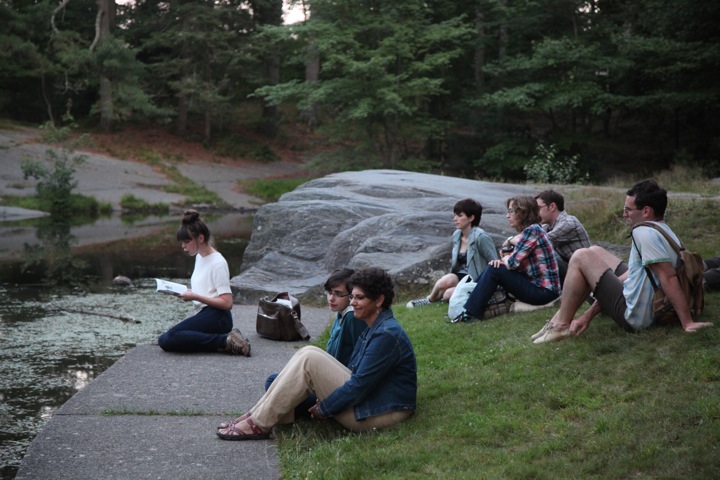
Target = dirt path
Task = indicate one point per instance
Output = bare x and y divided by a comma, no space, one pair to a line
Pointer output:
107,178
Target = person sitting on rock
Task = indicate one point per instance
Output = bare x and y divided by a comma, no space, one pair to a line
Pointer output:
472,251
529,273
210,328
565,231
344,332
378,388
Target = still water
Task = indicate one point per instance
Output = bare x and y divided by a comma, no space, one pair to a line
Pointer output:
63,322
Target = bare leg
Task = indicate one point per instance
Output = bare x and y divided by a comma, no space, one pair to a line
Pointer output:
586,267
439,291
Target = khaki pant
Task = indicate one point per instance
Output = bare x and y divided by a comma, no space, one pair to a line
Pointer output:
313,370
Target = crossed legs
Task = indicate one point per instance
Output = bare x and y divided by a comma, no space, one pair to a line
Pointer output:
586,268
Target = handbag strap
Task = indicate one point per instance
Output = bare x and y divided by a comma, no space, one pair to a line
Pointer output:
299,327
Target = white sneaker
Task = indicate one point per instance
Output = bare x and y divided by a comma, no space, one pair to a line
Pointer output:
420,302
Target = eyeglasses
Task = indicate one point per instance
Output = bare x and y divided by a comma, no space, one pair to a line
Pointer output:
627,209
541,206
337,294
359,297
512,210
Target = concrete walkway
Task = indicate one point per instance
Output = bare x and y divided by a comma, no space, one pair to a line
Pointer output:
154,414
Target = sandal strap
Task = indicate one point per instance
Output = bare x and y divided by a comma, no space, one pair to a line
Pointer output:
255,429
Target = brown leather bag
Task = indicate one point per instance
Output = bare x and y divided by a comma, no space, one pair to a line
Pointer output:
279,321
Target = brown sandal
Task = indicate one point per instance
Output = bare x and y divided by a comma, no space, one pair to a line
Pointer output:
232,433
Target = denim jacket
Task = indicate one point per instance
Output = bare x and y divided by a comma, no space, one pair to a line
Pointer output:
383,373
481,250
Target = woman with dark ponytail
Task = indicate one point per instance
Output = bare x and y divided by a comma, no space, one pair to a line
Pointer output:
210,328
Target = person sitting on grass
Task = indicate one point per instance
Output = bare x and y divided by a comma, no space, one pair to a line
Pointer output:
378,388
472,251
345,330
624,291
529,273
565,231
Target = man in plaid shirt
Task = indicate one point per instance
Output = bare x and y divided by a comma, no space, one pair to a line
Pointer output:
564,231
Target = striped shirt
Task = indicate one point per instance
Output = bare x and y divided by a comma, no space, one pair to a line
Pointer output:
567,235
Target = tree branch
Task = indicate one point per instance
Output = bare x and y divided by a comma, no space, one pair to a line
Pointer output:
62,5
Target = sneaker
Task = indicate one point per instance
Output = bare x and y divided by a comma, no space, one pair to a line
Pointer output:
420,302
465,317
552,335
542,331
237,344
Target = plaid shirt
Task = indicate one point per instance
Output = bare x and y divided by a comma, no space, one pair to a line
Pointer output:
534,257
567,235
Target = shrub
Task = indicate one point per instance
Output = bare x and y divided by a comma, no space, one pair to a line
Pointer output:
547,166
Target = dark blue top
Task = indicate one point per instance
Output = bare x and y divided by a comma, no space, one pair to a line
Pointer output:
384,373
345,331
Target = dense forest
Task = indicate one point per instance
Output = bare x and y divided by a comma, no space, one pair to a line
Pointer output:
477,88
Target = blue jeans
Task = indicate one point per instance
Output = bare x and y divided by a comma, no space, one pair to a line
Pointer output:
514,283
206,331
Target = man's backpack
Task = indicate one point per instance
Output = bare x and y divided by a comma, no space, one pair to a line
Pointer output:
690,273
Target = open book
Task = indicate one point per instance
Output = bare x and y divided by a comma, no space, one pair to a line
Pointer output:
171,288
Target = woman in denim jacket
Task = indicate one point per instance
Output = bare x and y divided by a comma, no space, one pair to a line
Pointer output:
378,389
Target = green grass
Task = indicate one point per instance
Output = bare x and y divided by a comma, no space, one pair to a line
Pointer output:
491,405
78,205
271,190
131,203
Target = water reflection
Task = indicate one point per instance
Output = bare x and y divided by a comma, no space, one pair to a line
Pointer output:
48,350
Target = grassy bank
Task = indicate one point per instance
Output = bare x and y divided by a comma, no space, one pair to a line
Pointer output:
492,405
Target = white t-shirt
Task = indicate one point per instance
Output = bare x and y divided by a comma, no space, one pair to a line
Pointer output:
211,277
637,289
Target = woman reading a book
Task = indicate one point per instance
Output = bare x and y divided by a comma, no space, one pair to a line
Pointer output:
210,328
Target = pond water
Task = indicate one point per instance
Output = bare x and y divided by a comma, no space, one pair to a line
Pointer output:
63,322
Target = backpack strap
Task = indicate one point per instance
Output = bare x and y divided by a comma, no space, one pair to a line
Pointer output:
662,231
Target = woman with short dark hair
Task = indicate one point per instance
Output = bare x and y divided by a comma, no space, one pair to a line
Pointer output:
472,250
376,390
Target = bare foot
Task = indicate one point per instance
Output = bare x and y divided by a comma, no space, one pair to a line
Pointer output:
695,326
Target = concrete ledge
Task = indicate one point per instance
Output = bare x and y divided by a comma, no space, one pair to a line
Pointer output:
154,414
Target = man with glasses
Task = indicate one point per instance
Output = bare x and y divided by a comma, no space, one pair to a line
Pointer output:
623,291
564,231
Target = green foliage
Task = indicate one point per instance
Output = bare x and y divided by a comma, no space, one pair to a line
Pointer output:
548,166
239,146
131,203
55,184
271,190
380,68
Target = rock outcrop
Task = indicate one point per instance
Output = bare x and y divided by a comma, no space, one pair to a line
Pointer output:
400,221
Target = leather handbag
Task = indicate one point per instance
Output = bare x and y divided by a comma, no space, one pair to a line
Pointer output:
279,318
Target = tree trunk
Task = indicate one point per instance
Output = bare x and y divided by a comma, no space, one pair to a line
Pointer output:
312,75
104,25
182,114
480,48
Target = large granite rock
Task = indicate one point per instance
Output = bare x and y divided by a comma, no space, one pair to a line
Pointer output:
400,221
